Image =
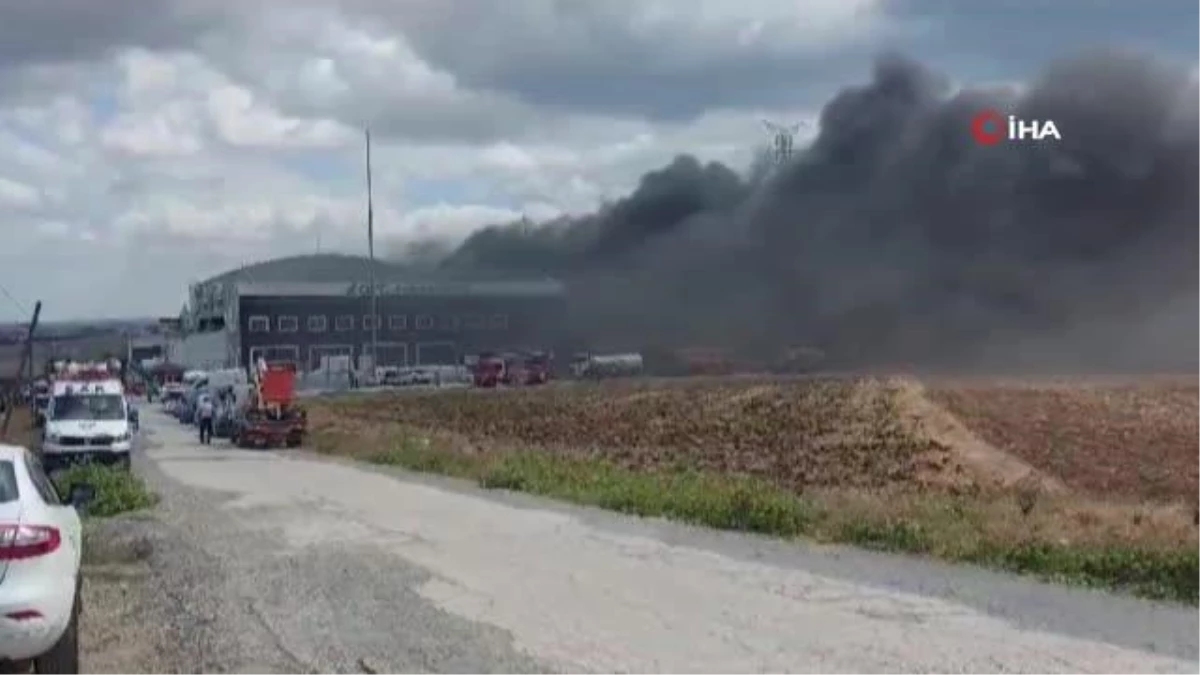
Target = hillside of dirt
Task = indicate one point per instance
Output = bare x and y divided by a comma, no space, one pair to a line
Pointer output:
798,432
1136,440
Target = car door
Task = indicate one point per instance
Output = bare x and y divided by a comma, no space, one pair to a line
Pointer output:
64,515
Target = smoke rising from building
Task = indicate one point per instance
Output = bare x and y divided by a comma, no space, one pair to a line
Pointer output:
894,238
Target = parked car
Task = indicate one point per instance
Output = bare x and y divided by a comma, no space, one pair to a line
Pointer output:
187,411
408,377
41,545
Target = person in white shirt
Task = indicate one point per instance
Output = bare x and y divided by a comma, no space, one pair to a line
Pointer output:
205,411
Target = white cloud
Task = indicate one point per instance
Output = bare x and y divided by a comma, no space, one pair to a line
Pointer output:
241,120
235,133
16,194
172,130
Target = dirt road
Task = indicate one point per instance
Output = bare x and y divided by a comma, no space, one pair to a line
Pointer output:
286,562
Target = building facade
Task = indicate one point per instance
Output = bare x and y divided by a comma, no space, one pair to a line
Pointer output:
433,323
205,335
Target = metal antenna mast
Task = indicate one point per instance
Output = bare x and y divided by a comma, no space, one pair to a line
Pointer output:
783,139
371,255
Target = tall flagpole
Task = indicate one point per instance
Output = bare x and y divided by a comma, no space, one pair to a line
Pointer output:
371,255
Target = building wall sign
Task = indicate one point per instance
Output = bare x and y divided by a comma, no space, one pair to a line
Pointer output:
363,289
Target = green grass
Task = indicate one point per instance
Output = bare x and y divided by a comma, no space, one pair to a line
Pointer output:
117,490
953,528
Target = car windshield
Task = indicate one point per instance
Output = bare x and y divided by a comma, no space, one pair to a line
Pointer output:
89,407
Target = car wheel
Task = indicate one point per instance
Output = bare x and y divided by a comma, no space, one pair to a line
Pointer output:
63,657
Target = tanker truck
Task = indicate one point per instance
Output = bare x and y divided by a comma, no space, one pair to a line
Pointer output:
597,366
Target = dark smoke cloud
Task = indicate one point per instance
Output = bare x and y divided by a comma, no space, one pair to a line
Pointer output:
894,238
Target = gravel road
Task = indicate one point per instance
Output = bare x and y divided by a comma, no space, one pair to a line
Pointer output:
286,562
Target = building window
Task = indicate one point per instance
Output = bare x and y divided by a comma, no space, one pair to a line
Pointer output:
344,322
317,324
398,322
369,322
260,323
289,354
500,321
424,322
288,324
475,322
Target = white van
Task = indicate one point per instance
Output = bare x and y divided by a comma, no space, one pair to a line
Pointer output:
226,377
87,421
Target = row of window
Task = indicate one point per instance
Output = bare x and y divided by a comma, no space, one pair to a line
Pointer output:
318,323
387,353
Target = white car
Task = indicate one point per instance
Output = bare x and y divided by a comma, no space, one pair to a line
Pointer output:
41,544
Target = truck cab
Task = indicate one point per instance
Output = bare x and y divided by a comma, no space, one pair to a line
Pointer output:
87,421
531,368
488,370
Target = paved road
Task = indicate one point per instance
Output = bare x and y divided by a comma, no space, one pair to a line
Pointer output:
287,562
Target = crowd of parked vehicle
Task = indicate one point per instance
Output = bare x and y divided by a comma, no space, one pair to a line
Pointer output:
251,408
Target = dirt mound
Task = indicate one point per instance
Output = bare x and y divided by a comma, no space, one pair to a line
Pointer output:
974,459
1105,437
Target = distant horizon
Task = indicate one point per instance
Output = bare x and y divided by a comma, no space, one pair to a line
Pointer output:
79,322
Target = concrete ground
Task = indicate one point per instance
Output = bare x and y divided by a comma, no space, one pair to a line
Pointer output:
286,562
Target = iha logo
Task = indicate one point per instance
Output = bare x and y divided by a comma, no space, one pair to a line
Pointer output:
989,127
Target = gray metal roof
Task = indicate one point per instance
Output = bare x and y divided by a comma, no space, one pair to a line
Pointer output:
321,267
536,288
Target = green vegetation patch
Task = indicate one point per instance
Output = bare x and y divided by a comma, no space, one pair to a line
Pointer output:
118,490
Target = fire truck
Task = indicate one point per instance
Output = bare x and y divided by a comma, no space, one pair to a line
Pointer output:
512,369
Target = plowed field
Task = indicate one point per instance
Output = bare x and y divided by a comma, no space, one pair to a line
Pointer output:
1136,440
1100,437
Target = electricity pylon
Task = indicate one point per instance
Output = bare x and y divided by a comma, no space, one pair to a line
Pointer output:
783,139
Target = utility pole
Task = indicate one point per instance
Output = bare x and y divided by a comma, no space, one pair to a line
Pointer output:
26,361
371,255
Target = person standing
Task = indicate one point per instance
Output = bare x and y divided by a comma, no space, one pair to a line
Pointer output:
205,411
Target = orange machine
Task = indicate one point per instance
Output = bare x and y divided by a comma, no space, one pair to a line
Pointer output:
272,417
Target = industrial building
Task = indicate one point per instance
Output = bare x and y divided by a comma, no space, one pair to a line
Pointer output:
266,311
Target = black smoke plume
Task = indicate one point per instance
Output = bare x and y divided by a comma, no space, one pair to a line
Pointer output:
894,238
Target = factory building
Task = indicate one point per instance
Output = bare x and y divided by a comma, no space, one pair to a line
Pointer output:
237,318
429,323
